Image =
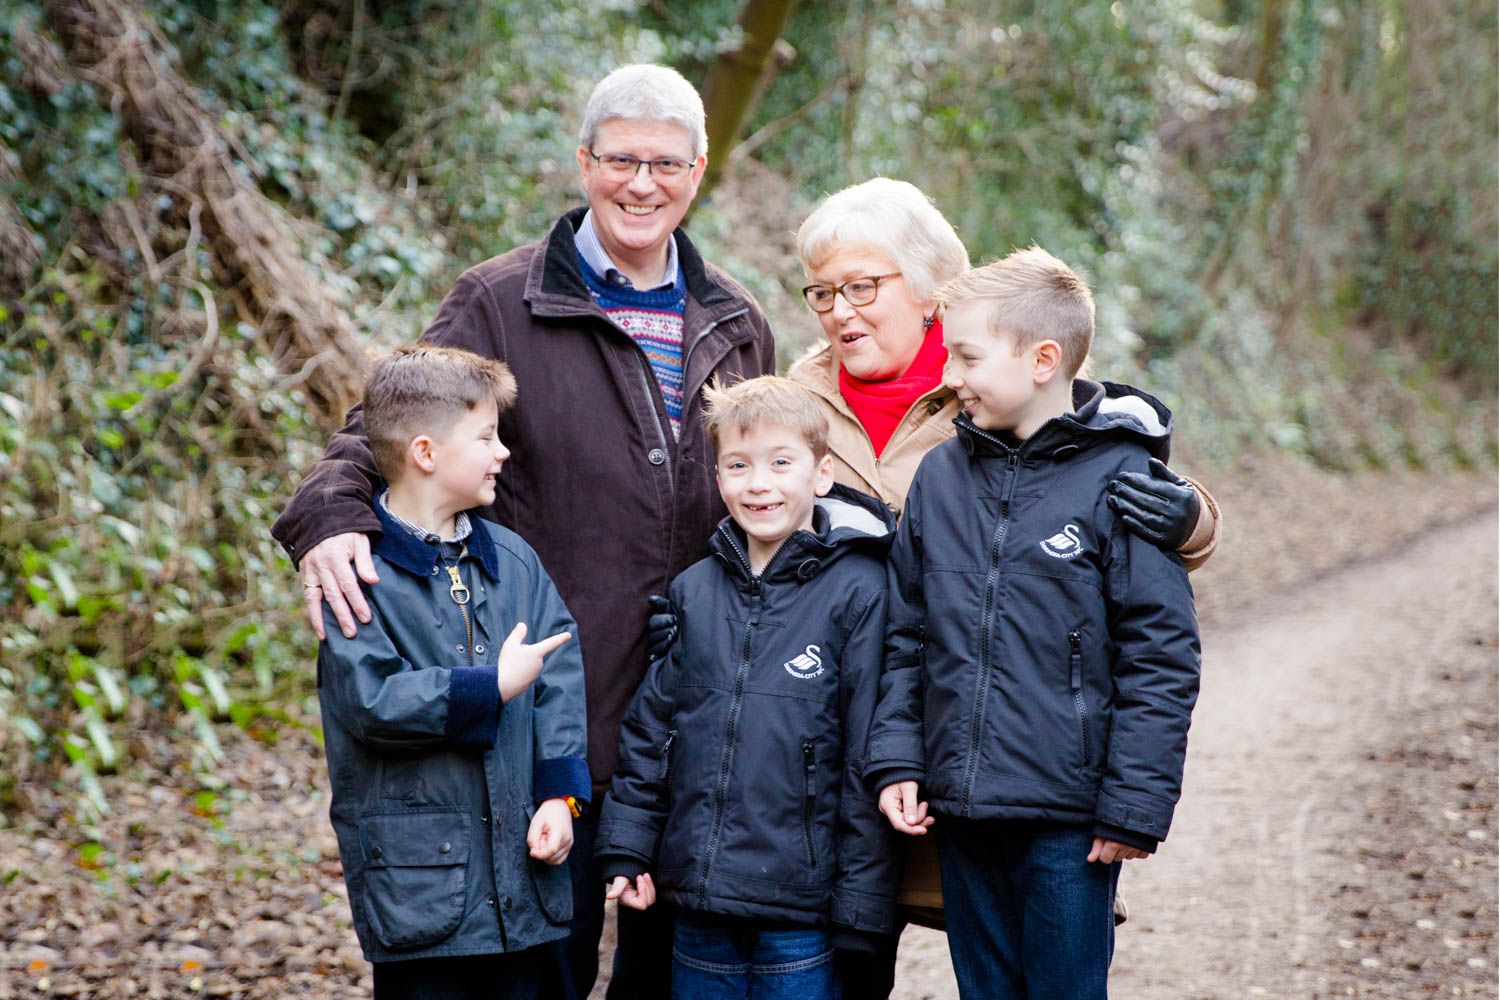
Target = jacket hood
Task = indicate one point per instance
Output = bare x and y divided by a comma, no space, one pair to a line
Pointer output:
1102,411
845,520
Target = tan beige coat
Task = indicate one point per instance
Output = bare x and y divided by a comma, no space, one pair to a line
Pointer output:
927,424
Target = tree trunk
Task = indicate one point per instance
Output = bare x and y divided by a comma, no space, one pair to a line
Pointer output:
737,79
304,328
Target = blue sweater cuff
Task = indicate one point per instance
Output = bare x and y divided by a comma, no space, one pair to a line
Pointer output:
559,777
473,705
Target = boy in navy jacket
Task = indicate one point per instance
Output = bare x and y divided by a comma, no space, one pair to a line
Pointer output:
1041,661
456,759
739,795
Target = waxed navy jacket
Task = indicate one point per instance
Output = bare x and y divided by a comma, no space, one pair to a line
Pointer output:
434,783
740,784
1042,661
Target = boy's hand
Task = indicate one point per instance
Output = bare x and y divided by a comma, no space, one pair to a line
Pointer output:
550,835
638,896
898,801
325,575
1109,851
521,664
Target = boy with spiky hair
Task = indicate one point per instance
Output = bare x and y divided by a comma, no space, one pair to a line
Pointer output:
739,795
455,756
1041,660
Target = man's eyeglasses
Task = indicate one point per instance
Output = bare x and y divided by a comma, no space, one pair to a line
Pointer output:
623,166
856,291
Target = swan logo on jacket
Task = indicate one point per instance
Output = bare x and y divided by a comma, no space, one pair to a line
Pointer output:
806,664
1064,544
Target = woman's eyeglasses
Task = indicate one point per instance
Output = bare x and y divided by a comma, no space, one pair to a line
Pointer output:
856,291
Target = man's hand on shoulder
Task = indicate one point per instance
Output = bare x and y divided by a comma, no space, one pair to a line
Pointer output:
326,576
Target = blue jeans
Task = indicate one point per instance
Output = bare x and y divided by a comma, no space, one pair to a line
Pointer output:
1028,917
720,959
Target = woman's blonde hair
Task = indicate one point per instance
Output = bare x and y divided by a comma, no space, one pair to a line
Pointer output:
894,218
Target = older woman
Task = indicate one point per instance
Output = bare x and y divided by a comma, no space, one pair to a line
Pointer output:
875,254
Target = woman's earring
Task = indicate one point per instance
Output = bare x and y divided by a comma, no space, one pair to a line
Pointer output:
928,322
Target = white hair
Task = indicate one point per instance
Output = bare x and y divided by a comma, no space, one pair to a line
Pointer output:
894,218
650,92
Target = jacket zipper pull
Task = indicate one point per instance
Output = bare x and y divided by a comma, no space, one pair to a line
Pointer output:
457,590
807,759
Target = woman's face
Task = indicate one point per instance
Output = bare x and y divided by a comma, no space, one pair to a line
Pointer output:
877,341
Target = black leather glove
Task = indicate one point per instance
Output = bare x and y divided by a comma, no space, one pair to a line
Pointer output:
1162,508
661,627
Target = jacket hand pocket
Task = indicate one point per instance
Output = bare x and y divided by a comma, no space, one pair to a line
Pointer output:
554,885
416,874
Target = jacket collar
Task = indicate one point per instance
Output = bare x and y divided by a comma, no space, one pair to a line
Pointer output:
400,547
1101,411
844,520
556,277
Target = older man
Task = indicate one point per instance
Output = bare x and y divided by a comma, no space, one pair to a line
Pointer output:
612,324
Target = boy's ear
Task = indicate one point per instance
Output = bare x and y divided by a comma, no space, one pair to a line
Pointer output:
825,476
1046,361
420,452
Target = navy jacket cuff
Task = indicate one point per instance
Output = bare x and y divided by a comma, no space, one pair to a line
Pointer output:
878,776
612,866
473,705
559,777
1140,841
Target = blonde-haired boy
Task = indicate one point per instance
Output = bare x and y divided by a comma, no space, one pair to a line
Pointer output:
455,757
1041,660
739,794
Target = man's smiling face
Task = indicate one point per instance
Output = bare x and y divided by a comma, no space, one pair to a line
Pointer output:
635,216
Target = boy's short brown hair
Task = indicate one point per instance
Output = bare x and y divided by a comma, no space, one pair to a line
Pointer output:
419,389
1033,296
768,399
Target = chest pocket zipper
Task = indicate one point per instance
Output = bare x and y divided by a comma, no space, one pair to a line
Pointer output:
666,756
809,800
1075,679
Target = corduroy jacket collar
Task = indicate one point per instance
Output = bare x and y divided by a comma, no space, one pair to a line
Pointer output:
415,555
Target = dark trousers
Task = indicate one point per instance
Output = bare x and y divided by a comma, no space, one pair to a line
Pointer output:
865,976
643,942
1029,918
513,976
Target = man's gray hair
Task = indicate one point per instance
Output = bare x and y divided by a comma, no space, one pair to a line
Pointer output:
894,218
654,93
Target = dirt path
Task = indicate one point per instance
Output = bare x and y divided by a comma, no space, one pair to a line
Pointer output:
1337,832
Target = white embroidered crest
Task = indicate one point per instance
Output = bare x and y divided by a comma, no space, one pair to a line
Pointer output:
806,665
1064,544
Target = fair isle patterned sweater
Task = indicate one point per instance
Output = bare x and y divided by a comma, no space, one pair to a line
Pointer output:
654,321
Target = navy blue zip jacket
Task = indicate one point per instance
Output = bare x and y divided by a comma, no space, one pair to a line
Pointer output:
740,784
434,783
1041,660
